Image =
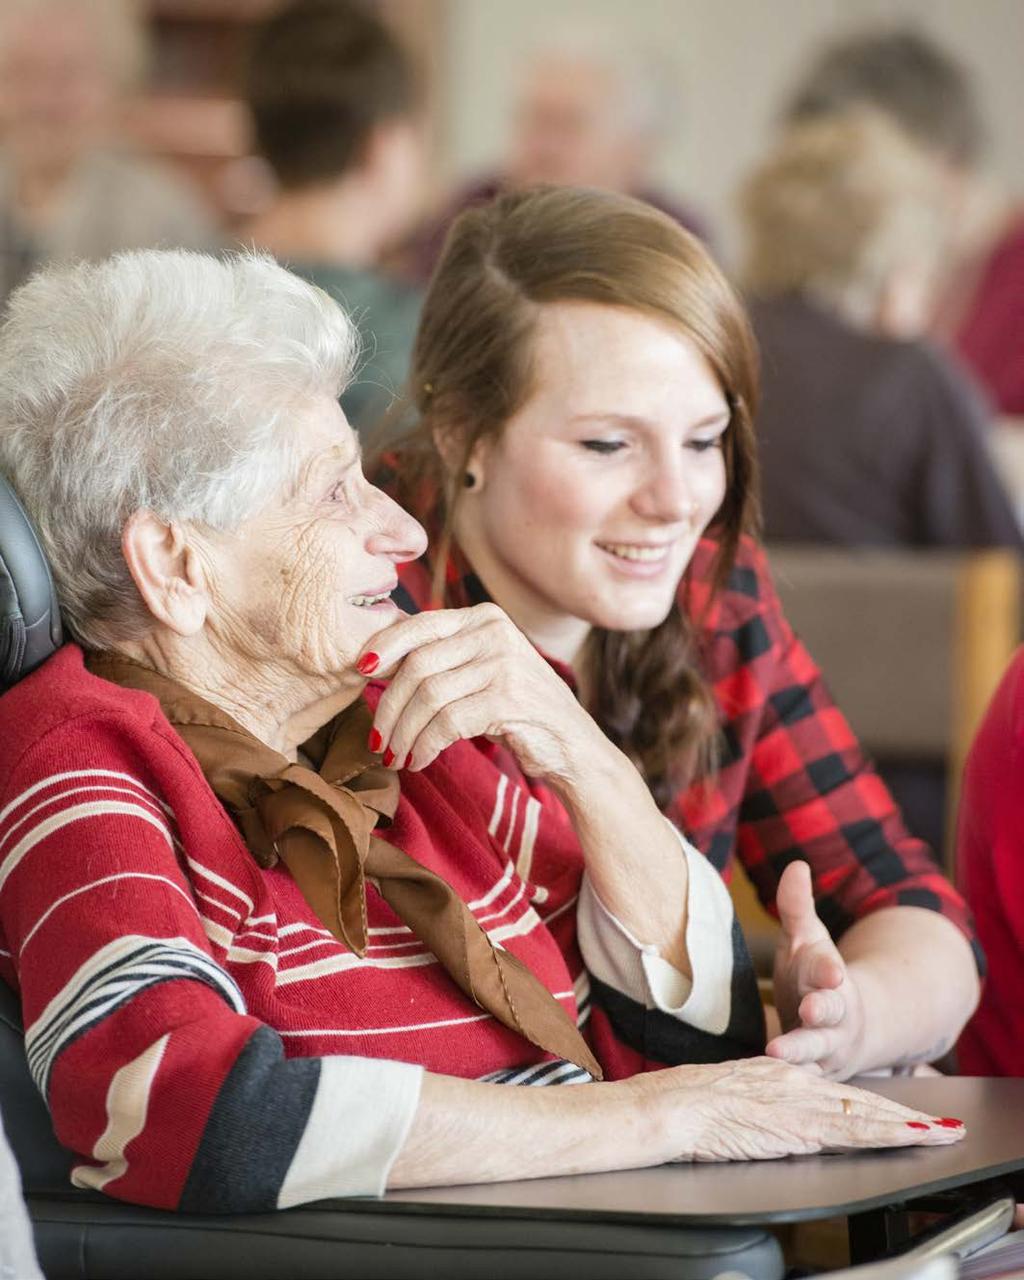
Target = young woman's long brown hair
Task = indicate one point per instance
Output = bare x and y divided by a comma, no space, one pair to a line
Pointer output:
473,369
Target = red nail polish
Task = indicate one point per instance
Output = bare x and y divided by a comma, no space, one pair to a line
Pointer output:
950,1122
916,1124
376,741
389,758
408,761
368,663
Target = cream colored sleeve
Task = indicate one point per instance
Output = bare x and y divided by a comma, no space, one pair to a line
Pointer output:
635,968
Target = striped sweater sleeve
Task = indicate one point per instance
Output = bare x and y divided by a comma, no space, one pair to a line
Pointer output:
167,1092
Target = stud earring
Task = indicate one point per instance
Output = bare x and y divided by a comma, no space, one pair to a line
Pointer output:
469,480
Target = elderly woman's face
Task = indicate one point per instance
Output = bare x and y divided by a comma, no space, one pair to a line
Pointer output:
305,584
594,497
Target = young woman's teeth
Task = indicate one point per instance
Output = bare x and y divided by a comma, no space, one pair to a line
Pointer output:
634,553
365,602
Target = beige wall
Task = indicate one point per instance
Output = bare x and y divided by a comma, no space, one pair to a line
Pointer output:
735,59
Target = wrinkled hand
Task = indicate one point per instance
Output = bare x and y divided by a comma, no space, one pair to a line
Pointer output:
467,673
819,1004
761,1109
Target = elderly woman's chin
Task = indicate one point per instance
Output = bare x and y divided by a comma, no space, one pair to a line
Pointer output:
335,649
315,646
369,619
332,651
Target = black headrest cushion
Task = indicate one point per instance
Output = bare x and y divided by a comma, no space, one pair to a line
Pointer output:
30,628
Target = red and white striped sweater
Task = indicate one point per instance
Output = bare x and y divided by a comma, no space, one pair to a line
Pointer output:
200,1038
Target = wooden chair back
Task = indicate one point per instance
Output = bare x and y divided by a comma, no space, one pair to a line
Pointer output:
912,644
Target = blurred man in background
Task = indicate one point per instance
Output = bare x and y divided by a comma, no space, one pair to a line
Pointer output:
335,103
588,113
67,188
930,95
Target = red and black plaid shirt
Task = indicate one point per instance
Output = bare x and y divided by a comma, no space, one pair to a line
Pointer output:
792,782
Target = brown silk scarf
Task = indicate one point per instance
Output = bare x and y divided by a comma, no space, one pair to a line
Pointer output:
320,821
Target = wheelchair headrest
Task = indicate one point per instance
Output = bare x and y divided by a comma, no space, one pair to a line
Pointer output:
30,629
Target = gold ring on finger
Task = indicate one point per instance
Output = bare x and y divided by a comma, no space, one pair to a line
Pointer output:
847,1105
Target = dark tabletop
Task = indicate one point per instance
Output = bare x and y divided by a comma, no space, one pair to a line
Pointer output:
779,1190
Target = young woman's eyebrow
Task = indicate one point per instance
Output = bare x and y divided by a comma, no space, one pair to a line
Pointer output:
720,417
610,419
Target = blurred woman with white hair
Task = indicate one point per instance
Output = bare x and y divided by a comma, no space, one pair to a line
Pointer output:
262,957
591,109
868,435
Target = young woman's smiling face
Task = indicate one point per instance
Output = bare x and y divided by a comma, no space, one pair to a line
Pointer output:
588,507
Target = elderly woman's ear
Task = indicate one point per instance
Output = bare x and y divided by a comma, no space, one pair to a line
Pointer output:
167,570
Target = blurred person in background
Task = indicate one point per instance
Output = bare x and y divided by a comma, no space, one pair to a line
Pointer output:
868,434
334,103
931,95
68,188
588,113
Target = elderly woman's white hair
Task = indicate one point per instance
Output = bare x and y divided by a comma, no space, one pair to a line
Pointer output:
159,380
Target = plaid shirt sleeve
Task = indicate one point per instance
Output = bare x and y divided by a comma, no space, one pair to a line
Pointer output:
792,781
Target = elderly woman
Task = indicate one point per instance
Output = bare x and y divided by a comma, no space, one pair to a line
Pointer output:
256,966
586,385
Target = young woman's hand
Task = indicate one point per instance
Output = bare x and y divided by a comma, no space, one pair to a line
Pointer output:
467,673
817,997
762,1109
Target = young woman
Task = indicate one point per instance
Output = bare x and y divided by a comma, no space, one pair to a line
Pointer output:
586,386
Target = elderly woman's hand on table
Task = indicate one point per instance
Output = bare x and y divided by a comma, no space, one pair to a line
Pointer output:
761,1109
754,1109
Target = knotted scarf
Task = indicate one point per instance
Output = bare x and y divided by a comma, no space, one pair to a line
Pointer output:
319,820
